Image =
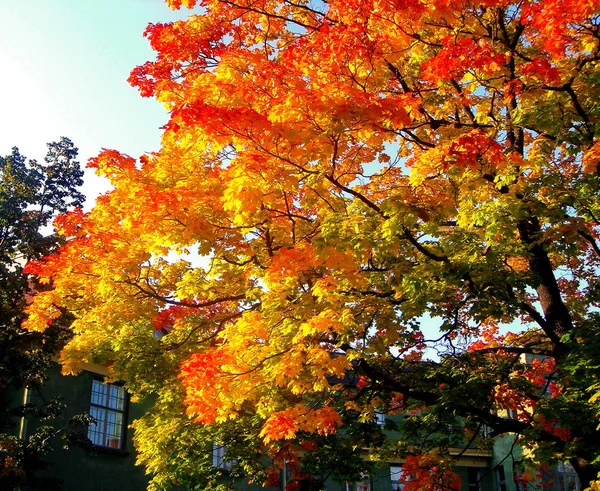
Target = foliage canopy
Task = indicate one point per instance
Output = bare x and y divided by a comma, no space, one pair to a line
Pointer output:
332,174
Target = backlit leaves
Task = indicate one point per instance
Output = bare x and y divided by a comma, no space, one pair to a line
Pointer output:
333,174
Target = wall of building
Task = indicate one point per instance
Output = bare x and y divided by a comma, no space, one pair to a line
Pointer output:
115,470
96,469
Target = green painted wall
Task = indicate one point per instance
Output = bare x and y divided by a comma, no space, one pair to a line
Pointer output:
95,470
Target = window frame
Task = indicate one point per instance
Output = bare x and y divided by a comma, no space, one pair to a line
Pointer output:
567,477
218,458
475,478
395,476
101,403
501,483
365,483
379,418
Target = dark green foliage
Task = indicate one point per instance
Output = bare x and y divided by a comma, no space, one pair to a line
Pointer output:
31,195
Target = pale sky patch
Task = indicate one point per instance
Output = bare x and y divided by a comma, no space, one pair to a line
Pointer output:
64,66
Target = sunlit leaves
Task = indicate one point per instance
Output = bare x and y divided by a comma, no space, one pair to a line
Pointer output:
331,175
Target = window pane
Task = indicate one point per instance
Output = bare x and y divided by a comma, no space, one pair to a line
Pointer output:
395,475
218,458
116,399
95,437
115,424
500,476
96,431
108,409
567,477
113,435
98,393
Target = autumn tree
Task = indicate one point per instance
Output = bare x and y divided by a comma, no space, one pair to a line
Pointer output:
31,194
334,178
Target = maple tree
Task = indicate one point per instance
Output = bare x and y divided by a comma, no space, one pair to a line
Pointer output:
31,194
332,175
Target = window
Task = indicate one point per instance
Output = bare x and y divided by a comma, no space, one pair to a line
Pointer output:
567,478
395,475
501,478
379,418
218,458
474,477
107,407
363,485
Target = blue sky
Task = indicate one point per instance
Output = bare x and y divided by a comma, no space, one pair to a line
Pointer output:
64,68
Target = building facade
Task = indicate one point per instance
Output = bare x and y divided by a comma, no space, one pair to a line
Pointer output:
109,463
